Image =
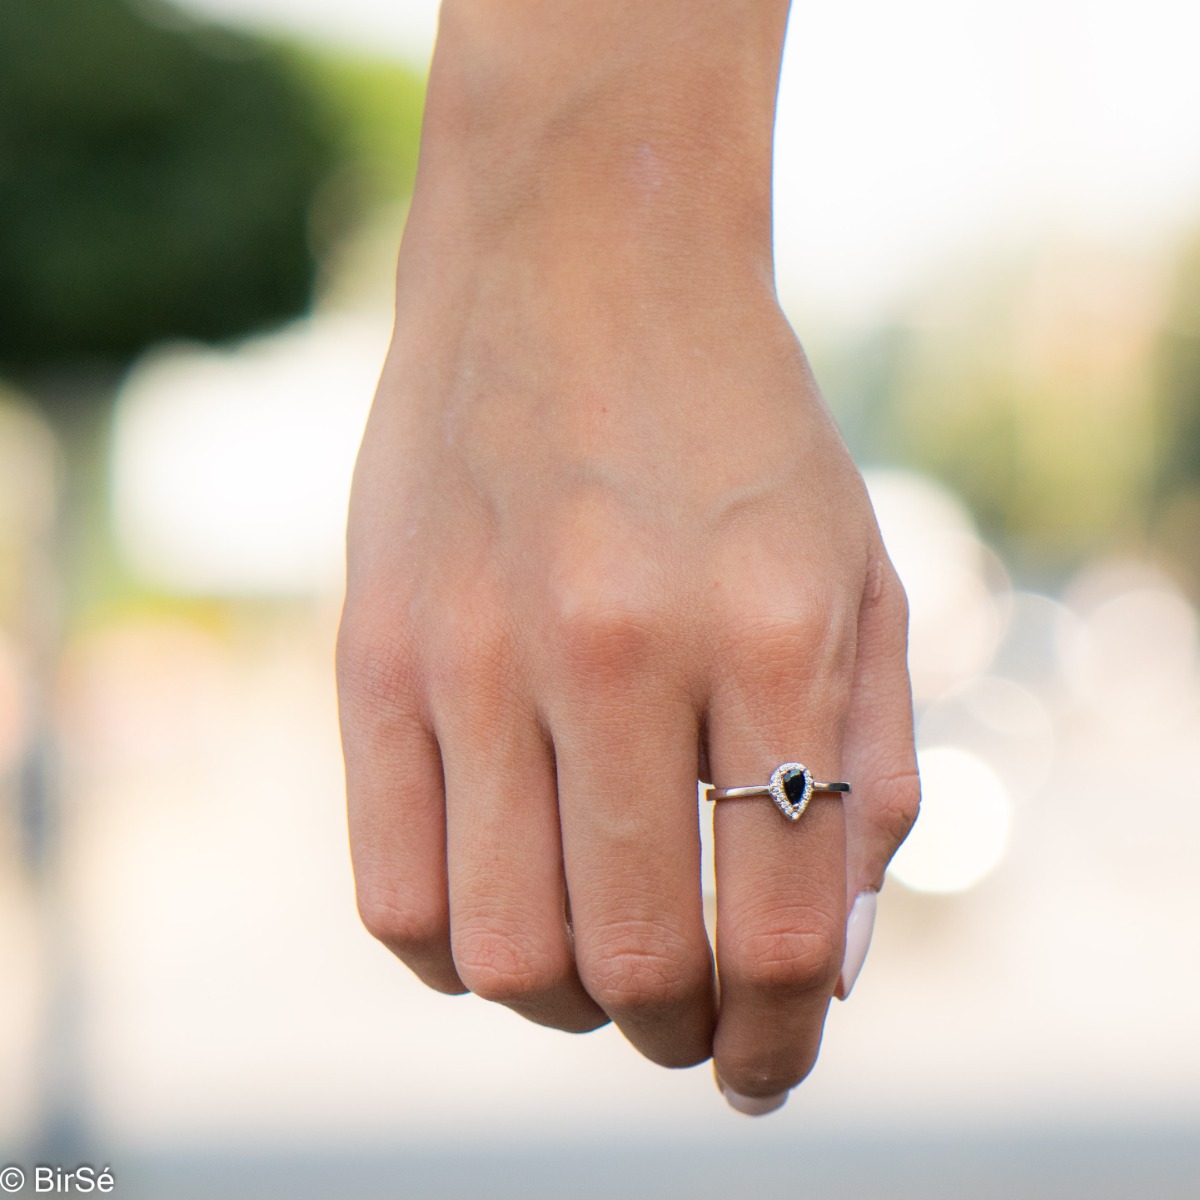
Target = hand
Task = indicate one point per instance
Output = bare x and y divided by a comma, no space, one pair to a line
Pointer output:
604,541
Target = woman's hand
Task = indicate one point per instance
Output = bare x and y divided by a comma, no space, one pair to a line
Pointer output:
604,541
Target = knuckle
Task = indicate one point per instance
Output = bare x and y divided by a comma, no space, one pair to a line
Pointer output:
505,969
636,971
410,933
786,961
897,804
885,589
815,641
607,614
375,672
606,639
885,609
895,598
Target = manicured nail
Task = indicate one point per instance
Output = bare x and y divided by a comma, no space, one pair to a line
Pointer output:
754,1106
859,927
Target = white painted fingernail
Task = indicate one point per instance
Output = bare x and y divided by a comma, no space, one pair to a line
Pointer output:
754,1106
859,927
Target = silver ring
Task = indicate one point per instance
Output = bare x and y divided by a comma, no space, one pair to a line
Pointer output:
791,786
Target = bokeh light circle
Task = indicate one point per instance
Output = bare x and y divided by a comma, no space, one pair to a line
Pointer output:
1000,722
963,829
957,588
1136,658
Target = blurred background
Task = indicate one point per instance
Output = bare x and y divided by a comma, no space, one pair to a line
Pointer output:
988,236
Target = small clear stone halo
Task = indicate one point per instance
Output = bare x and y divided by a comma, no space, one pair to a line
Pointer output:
791,788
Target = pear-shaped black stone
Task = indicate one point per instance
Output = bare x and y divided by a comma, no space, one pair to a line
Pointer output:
794,785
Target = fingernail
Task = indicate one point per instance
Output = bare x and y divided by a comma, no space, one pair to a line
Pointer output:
859,927
754,1106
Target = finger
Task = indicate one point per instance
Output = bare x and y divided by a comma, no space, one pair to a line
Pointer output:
508,900
880,757
879,735
394,800
626,746
780,883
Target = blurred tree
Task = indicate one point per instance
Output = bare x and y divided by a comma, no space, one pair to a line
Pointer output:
165,179
1176,517
156,176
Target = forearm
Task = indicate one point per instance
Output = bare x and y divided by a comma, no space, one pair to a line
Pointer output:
554,126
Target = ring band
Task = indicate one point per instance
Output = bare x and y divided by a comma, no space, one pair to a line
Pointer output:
791,787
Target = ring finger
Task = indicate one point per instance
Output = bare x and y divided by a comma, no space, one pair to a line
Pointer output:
781,906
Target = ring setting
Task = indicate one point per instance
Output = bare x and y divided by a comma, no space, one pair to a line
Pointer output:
791,787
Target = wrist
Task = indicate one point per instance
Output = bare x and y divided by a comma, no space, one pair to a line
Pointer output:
641,130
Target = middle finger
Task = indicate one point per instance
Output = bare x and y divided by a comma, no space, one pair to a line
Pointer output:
626,743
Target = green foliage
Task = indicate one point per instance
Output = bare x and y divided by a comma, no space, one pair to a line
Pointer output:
1178,410
1176,513
156,176
375,107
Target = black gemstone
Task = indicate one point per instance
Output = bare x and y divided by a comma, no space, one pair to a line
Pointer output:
794,784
